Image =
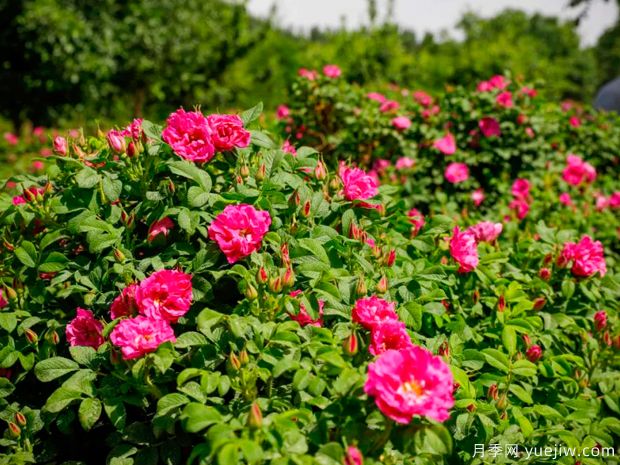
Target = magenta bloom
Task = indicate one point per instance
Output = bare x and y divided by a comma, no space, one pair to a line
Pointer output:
489,127
388,106
358,185
303,317
227,132
116,141
11,138
423,98
239,230
504,99
565,199
376,96
165,295
84,330
456,173
477,197
521,188
486,231
389,335
600,320
332,71
288,147
141,335
534,353
577,171
417,219
411,382
614,200
587,257
3,301
158,227
134,130
520,206
530,92
283,112
446,145
404,163
353,456
125,303
311,75
19,200
189,135
61,147
464,249
370,311
401,123
574,121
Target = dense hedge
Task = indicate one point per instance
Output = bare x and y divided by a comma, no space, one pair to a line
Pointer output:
195,293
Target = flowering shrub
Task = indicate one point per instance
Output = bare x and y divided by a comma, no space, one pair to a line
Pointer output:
194,293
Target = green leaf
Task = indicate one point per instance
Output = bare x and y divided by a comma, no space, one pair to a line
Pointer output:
197,417
89,412
262,140
83,355
252,114
521,393
496,359
314,246
60,399
53,263
191,171
190,339
55,367
170,402
509,339
87,178
152,130
524,368
27,254
526,427
112,188
197,196
6,387
228,454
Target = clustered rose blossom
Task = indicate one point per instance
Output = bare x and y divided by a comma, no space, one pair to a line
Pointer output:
160,227
239,230
600,320
29,195
565,199
309,74
165,295
401,123
197,138
534,353
371,311
125,303
489,127
587,257
446,145
84,330
332,71
303,317
288,147
521,188
11,138
456,173
358,185
390,334
522,199
417,220
141,335
504,99
464,249
423,98
496,82
3,301
283,112
574,121
411,381
404,163
477,197
486,231
61,147
388,106
577,171
376,96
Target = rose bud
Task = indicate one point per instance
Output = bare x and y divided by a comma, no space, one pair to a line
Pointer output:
391,258
244,171
361,288
502,401
539,303
234,361
288,279
255,417
261,276
382,285
544,274
526,340
61,147
119,256
306,210
52,337
501,303
116,141
353,456
131,149
534,353
607,338
319,171
294,199
600,320
244,358
275,284
493,393
31,336
476,296
14,429
250,292
260,173
20,419
471,408
351,345
444,349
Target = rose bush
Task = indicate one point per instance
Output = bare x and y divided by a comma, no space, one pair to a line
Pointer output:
194,293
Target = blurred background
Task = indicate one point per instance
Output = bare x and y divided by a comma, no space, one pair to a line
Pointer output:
65,63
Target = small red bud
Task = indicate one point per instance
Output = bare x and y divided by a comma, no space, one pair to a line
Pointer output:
131,150
539,303
31,336
319,171
255,417
607,338
361,288
471,408
306,210
261,276
250,292
382,285
351,345
20,419
444,349
391,258
501,303
476,296
14,429
288,279
534,353
526,340
493,393
275,284
234,361
544,274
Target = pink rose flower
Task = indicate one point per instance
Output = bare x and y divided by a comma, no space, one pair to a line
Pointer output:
446,145
376,96
417,219
134,130
141,335
283,112
388,106
3,301
310,75
574,121
600,320
464,249
602,202
401,123
189,135
380,165
423,98
504,99
371,311
353,456
404,163
61,146
411,382
587,257
565,199
358,185
84,330
477,197
388,335
486,231
11,138
38,165
227,132
288,147
498,82
530,92
577,171
428,112
521,188
456,173
489,127
18,200
520,206
239,230
162,226
125,303
332,71
303,317
116,141
165,295
534,353
614,200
